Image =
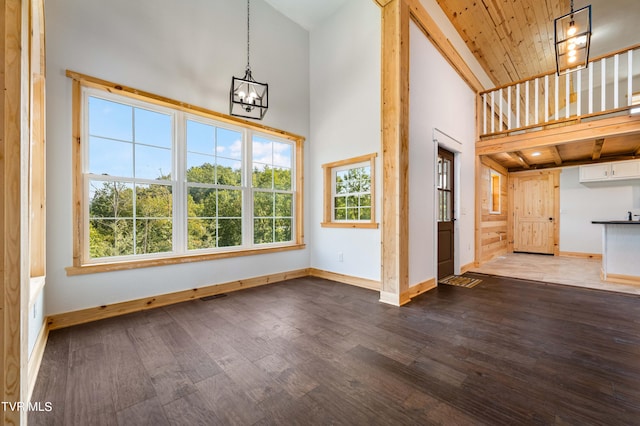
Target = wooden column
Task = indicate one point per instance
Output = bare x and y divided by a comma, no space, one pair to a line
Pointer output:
13,210
395,141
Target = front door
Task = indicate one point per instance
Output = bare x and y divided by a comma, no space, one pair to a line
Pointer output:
445,213
534,213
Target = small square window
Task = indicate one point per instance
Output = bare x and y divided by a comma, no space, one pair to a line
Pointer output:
349,195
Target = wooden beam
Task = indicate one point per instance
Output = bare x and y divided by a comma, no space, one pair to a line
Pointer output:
13,211
395,149
517,155
597,148
556,155
637,152
493,164
429,27
381,3
605,127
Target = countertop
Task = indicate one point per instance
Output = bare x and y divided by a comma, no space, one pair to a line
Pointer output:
617,222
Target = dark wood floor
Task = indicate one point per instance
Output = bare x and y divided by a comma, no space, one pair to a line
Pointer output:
311,351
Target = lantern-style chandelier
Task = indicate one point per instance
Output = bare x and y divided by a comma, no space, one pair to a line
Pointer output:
572,40
248,98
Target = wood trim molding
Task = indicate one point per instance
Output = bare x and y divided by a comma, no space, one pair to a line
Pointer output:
88,81
345,279
146,263
580,255
327,213
591,130
418,289
467,267
37,354
623,279
430,29
106,311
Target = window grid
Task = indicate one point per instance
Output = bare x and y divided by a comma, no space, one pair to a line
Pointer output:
229,187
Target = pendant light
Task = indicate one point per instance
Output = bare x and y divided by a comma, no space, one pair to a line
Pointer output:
572,40
248,98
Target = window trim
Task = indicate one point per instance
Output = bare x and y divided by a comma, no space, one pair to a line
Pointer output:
329,184
81,263
492,195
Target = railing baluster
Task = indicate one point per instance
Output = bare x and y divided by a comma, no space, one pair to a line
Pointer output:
493,111
501,100
507,113
616,77
526,104
603,84
579,92
484,113
546,98
509,108
557,93
567,96
536,102
591,89
517,105
629,77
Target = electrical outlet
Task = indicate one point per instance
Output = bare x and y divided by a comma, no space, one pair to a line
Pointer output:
340,257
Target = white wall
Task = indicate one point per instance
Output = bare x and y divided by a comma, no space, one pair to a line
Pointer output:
439,99
345,123
580,203
185,50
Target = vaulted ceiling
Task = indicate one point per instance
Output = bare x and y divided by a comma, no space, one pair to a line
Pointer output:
514,39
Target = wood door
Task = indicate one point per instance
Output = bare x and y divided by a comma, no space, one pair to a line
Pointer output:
534,213
446,218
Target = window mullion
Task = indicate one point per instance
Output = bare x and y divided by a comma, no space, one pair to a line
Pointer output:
179,184
247,189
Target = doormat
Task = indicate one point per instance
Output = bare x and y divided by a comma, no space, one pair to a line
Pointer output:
460,281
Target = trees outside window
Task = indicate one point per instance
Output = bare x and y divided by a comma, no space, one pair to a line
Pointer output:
160,181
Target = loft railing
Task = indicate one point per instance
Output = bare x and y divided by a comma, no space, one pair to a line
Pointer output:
610,84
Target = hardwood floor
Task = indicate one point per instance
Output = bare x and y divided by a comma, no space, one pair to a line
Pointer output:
311,351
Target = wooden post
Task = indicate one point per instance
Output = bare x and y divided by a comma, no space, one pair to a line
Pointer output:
395,141
13,209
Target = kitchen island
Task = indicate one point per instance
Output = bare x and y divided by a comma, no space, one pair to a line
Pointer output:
620,251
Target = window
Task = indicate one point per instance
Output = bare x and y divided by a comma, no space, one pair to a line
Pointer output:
494,195
159,183
445,186
349,195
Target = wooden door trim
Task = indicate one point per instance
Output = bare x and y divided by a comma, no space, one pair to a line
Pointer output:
556,205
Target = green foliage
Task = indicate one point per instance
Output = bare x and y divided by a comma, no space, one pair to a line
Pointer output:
214,213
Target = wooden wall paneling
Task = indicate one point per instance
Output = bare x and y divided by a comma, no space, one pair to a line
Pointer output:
395,140
13,207
492,235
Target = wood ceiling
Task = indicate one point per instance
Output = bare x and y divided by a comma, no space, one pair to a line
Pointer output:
513,40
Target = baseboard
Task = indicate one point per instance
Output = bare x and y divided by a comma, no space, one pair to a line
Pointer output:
346,279
622,279
467,267
418,289
35,359
581,255
82,316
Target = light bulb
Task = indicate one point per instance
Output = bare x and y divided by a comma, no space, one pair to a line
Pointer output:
572,46
572,29
572,53
572,59
241,94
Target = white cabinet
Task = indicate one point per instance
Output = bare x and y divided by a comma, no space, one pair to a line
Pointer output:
610,171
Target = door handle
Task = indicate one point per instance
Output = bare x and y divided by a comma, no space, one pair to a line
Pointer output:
551,219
